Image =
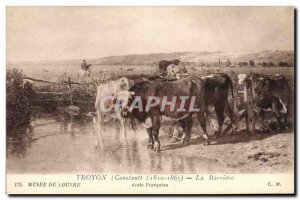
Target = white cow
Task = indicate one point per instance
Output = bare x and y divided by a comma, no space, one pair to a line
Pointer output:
103,91
174,71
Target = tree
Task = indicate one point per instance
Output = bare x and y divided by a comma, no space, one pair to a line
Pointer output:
19,97
283,64
245,64
251,63
264,64
228,63
271,64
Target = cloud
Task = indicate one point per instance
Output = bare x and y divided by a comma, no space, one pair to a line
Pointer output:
52,33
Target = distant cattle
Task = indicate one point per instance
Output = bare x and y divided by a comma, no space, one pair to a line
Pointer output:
107,90
130,70
175,71
163,64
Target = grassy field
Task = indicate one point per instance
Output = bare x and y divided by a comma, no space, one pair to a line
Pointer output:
62,72
84,95
50,71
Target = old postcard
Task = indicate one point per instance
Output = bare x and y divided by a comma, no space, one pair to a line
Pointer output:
150,100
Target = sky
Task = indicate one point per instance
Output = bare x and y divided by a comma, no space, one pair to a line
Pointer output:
58,33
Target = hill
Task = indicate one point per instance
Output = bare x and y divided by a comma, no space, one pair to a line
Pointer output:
274,56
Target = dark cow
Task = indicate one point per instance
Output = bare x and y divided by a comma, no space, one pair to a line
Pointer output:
274,93
163,65
216,91
190,87
271,93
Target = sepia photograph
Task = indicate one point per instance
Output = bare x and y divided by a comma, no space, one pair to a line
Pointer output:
150,100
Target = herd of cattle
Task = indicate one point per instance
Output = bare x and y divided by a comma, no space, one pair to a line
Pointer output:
271,94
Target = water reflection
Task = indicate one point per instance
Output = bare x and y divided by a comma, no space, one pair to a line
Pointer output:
66,144
20,141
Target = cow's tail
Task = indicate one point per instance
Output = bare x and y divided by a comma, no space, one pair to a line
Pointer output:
235,109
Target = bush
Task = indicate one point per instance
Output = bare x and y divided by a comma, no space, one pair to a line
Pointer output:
271,64
283,64
251,63
19,96
244,64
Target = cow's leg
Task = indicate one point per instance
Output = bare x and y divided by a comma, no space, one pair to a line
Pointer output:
150,140
264,123
229,112
122,121
202,121
177,132
187,124
155,132
182,124
99,123
132,125
286,117
282,120
221,116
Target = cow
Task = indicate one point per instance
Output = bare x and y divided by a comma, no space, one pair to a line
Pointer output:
106,90
216,89
271,93
176,71
216,92
163,64
274,93
189,87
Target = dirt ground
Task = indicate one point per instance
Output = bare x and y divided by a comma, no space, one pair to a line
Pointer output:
260,153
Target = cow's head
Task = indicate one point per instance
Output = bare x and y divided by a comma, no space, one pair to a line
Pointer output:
122,101
262,86
176,62
124,83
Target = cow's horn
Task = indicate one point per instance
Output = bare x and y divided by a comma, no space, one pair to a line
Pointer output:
261,78
132,93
